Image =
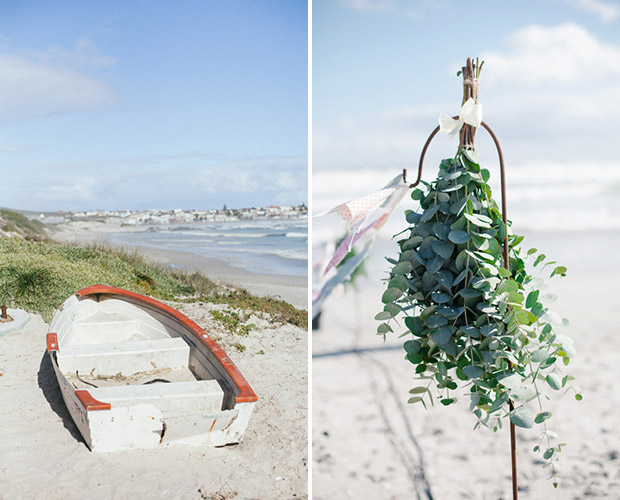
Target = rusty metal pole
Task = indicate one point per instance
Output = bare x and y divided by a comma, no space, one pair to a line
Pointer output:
467,136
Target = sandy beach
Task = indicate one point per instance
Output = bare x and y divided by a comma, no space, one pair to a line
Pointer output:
42,454
292,289
368,443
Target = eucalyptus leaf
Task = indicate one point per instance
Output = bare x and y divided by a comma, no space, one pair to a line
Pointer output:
383,315
458,236
511,381
542,416
412,346
436,321
413,218
443,248
522,417
469,293
472,331
441,335
391,294
473,371
441,297
429,214
554,381
401,268
441,231
413,242
434,265
523,394
489,330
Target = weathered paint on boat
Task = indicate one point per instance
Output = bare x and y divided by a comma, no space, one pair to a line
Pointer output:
115,336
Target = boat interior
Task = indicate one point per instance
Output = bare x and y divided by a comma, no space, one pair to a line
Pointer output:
107,343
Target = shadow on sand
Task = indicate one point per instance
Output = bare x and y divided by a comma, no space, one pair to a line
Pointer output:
49,386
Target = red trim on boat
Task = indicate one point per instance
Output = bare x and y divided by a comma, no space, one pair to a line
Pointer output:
52,342
90,403
246,394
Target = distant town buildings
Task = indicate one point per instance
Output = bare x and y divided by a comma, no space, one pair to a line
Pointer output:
136,217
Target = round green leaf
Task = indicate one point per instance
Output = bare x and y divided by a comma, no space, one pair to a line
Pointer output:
469,293
441,230
415,325
554,381
413,242
383,315
384,328
453,175
441,335
443,248
489,330
412,346
522,417
417,194
434,265
436,321
440,297
472,331
539,355
412,217
401,268
511,381
429,214
473,371
541,417
458,236
391,294
524,394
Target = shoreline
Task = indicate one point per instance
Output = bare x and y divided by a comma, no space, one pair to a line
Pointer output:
292,289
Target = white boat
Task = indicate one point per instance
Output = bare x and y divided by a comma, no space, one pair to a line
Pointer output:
136,373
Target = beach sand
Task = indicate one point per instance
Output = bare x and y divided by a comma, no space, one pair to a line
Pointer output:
42,454
292,289
369,443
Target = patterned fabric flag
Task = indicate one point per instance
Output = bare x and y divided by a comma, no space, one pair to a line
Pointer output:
356,214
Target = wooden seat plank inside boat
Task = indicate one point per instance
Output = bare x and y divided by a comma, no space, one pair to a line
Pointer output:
124,359
196,396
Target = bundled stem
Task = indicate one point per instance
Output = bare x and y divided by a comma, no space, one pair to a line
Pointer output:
471,73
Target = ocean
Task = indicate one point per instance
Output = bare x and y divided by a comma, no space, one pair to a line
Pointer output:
568,209
541,197
270,246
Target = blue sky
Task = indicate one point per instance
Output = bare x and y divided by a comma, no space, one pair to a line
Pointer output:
153,104
383,71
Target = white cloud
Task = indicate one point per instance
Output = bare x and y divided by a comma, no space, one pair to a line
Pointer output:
608,13
81,191
561,55
166,181
85,56
39,83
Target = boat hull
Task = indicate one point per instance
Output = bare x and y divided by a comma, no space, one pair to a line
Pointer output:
116,339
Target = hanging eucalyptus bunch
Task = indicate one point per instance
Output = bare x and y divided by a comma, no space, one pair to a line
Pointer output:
476,325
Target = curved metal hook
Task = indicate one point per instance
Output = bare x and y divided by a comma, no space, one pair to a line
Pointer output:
501,169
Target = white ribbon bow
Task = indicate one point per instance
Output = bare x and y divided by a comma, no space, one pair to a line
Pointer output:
470,114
